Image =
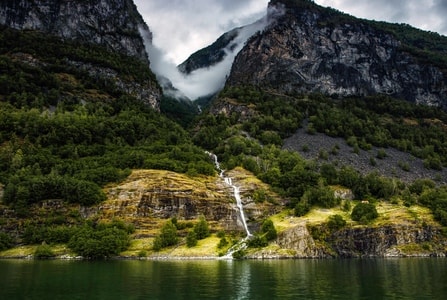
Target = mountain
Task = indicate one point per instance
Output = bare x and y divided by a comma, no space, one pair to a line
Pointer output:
103,28
115,24
212,54
94,158
312,49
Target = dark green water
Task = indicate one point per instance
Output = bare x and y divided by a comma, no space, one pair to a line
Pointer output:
271,279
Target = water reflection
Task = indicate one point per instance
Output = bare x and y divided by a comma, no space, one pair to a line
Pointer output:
222,279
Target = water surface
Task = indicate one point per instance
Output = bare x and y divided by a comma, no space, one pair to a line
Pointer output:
214,279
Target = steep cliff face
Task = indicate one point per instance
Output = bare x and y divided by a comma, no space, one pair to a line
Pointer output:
149,196
115,24
384,241
314,49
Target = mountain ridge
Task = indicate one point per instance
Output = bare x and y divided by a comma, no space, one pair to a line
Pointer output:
312,49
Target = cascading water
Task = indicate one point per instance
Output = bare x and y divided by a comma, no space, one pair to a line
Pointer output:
236,192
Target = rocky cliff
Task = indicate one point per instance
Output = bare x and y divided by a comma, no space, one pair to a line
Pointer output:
115,24
311,49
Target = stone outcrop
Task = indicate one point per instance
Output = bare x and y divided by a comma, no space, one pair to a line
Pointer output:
300,242
310,49
384,241
158,195
362,241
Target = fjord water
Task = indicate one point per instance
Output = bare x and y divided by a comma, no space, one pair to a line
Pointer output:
225,279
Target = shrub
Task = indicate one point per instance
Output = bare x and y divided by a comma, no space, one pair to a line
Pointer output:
201,229
381,154
222,243
5,241
336,222
191,239
167,237
301,208
44,251
364,212
142,254
269,230
258,241
104,241
240,254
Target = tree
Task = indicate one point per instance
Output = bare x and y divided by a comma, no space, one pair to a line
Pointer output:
100,242
167,237
336,222
6,241
201,229
269,230
191,239
364,213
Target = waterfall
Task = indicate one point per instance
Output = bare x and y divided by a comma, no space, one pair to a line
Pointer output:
236,192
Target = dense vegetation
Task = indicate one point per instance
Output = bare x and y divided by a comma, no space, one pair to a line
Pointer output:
85,238
65,134
255,142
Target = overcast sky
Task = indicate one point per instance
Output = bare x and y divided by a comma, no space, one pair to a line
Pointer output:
181,27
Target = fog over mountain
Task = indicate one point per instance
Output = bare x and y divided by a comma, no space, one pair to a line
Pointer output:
205,81
182,27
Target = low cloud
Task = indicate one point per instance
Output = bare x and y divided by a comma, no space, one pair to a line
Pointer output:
204,81
182,27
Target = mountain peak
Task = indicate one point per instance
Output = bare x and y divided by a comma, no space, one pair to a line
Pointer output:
312,49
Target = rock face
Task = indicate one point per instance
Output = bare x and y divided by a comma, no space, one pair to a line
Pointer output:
115,24
310,49
300,242
383,241
153,195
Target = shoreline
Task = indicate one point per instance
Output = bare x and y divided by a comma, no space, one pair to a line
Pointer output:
223,258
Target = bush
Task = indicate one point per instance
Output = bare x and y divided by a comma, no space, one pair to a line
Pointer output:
336,222
167,237
201,229
6,241
301,208
258,241
269,230
322,196
222,243
103,241
191,239
240,254
364,212
44,251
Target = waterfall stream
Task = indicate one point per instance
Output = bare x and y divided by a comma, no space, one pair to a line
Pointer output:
236,192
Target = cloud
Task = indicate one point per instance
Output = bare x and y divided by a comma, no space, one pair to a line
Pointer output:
205,81
427,15
181,27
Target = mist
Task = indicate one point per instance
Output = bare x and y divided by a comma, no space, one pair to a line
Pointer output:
204,81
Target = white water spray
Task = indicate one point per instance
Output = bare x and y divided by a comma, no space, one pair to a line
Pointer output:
236,192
